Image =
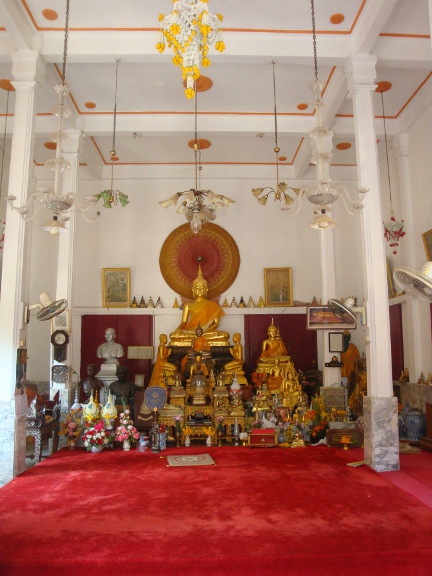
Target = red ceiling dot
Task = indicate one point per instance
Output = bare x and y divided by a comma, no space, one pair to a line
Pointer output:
343,146
114,158
383,86
50,145
6,84
337,18
90,105
282,158
202,143
302,106
203,83
49,14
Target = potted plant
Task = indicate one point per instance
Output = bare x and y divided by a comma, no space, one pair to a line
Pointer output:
96,437
126,431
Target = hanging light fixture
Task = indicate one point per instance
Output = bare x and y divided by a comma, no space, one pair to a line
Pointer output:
325,193
51,198
189,30
279,191
198,206
5,85
110,197
393,228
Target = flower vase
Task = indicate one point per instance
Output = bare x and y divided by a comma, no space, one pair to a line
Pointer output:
281,437
71,443
209,441
187,441
96,449
126,444
219,434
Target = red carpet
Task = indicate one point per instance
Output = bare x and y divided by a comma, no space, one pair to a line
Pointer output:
264,511
415,476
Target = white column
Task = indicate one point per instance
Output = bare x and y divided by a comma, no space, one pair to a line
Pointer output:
416,320
328,280
380,407
66,255
26,68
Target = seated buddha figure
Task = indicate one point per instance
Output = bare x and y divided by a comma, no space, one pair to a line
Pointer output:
200,311
199,344
273,352
235,366
291,389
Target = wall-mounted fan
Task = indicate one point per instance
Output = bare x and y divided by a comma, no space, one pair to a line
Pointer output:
418,283
47,308
346,310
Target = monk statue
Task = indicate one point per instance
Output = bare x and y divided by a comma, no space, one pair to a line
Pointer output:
122,389
163,371
203,312
110,350
351,362
236,364
91,384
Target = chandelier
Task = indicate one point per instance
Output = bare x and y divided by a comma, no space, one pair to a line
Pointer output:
198,206
325,193
189,30
51,198
279,191
110,197
393,228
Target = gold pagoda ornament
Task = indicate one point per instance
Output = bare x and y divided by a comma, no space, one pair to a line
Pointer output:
242,303
176,304
134,303
261,303
250,303
225,303
142,303
189,30
150,303
233,303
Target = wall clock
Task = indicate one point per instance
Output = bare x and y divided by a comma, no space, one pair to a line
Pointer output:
59,339
60,373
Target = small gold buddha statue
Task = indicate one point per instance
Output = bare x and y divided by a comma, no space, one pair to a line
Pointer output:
236,364
200,311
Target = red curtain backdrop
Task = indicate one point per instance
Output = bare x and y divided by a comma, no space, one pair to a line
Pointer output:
300,342
132,330
396,340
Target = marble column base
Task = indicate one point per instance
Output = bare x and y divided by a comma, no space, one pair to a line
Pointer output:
381,435
13,413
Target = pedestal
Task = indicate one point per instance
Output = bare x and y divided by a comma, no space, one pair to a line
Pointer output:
107,375
381,436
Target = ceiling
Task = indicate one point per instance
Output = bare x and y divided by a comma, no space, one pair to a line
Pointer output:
155,120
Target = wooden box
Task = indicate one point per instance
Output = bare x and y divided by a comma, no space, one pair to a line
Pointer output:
262,439
334,437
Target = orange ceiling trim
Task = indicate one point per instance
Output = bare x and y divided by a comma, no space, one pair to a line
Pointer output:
298,150
414,94
2,29
328,80
394,35
98,149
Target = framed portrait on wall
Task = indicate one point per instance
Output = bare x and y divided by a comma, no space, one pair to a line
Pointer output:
61,322
323,318
427,241
115,287
278,286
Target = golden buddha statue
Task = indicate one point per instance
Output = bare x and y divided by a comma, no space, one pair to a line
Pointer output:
163,371
236,364
291,390
201,312
273,358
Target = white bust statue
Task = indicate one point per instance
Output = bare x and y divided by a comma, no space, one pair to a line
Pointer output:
110,350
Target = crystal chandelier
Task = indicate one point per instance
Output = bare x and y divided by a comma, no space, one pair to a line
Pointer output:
198,206
110,197
325,193
393,228
189,30
279,191
51,198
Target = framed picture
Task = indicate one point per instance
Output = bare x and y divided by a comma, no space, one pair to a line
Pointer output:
322,318
115,287
427,241
140,352
139,380
278,286
61,322
390,286
336,342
